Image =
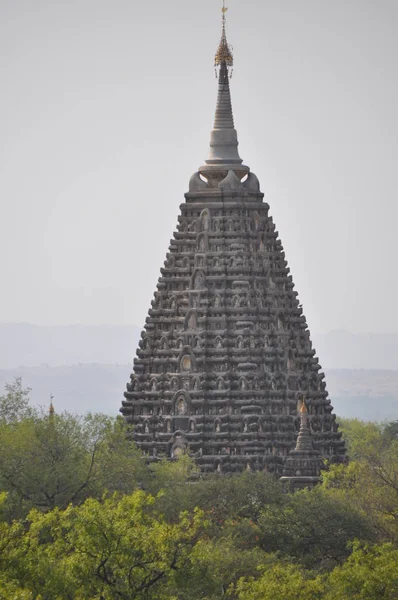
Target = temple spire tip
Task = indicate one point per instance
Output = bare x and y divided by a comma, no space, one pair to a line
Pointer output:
224,55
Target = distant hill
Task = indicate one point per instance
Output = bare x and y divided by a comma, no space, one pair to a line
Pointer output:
28,345
87,367
22,344
369,395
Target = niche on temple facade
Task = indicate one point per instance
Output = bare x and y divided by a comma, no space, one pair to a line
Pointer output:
220,383
135,384
180,407
217,301
198,342
243,384
186,360
198,280
181,403
239,342
186,363
202,242
205,220
179,446
196,385
170,262
191,319
291,363
174,384
256,220
200,260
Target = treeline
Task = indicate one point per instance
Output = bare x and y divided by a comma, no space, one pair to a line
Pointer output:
82,517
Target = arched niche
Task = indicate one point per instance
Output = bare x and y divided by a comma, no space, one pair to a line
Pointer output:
179,444
218,342
291,363
178,450
239,342
196,384
256,220
220,383
217,425
217,303
205,220
198,342
174,384
135,384
198,280
181,403
191,319
243,383
186,363
164,344
202,242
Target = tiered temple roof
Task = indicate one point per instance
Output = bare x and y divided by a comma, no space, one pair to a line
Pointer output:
225,357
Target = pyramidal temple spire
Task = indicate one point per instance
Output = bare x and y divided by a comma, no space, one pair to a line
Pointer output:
223,138
225,354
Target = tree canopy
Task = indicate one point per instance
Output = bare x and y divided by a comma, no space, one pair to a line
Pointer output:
83,517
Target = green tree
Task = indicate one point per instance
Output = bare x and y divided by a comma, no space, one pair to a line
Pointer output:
48,461
14,403
359,436
281,581
371,486
390,431
314,527
118,548
370,573
222,498
213,569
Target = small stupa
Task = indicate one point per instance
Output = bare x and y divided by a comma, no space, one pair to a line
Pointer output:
303,465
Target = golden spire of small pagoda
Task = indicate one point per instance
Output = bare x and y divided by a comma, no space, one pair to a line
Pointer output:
303,407
51,410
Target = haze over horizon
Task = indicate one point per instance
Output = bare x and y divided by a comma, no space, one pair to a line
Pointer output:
106,111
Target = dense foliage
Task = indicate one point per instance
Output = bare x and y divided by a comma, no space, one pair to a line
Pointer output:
83,518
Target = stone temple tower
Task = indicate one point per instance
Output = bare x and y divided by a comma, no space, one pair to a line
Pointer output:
225,359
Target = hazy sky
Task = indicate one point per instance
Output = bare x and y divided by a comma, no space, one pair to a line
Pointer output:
105,112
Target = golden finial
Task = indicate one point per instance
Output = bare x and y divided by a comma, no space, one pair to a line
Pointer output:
303,408
51,410
224,51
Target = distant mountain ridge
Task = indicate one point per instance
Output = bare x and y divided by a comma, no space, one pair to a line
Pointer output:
86,368
365,394
22,344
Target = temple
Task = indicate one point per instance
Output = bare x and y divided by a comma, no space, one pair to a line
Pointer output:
225,359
